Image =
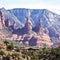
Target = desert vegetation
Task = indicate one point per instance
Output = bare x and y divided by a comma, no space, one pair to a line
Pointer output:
8,51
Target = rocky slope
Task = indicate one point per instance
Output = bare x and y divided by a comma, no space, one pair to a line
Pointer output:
49,20
33,27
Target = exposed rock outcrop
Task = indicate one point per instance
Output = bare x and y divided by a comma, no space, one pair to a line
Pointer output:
28,24
2,23
7,23
26,35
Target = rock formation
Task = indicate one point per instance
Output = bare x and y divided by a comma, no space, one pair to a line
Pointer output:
38,28
28,24
28,36
14,25
2,23
7,23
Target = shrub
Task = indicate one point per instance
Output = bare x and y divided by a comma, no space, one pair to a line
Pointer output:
2,52
10,47
6,42
17,49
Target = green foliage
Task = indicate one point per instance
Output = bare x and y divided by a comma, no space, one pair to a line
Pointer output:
15,55
44,54
6,57
6,42
2,52
50,54
10,46
1,47
17,49
41,54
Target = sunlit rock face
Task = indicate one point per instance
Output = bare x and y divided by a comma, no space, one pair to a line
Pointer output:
14,25
38,27
38,23
34,39
2,23
28,26
7,23
41,41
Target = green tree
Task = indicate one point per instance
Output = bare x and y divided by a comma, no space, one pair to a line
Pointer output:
6,42
17,49
10,46
2,52
15,55
6,57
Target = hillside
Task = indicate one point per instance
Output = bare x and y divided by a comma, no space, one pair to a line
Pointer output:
49,20
8,51
33,25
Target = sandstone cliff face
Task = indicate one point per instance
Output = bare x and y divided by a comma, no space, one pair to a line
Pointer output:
30,37
7,23
49,20
1,20
38,26
37,38
28,25
34,39
4,32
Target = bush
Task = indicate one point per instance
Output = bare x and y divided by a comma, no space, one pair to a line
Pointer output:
17,49
10,47
6,58
2,52
6,42
15,55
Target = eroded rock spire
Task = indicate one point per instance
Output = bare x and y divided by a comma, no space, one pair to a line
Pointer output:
28,24
2,23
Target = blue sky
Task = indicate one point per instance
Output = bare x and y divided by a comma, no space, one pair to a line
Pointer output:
52,5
